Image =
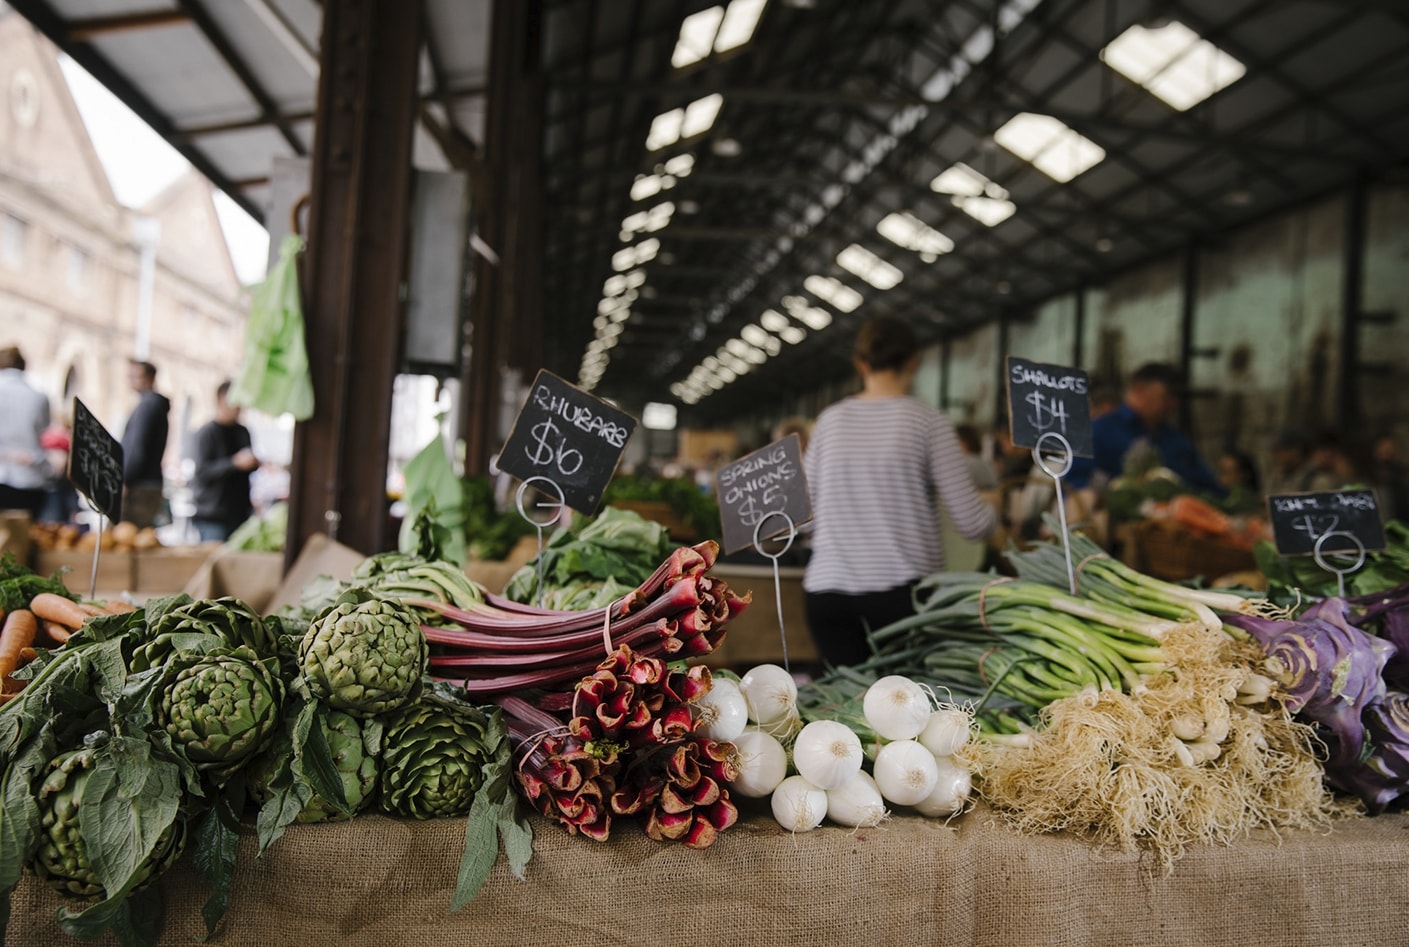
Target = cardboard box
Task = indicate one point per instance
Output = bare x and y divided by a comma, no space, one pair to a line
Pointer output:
166,571
115,569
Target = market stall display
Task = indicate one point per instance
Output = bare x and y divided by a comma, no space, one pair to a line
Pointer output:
1131,725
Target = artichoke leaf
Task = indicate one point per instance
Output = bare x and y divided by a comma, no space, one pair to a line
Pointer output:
19,814
120,832
217,838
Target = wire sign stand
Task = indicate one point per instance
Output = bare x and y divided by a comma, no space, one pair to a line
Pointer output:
543,485
566,443
1342,523
1041,452
758,487
1049,410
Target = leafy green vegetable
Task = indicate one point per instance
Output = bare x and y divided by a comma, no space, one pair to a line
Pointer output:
265,532
19,584
431,484
698,509
490,533
1290,578
617,546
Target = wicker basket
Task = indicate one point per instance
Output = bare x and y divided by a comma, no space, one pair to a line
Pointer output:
1167,551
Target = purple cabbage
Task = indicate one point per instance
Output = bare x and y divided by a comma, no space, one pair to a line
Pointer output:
1330,672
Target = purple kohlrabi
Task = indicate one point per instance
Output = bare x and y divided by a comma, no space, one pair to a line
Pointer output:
1329,670
1384,775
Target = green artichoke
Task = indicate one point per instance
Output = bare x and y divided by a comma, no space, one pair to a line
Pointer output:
221,707
433,758
61,858
354,745
365,655
227,618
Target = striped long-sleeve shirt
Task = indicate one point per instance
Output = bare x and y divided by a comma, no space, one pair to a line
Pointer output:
877,470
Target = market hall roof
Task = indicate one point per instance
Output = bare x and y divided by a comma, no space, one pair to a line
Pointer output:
727,187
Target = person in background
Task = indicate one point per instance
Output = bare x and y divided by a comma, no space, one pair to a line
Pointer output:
1290,470
143,444
878,466
1330,464
224,462
799,426
982,471
1143,421
60,497
23,470
1238,474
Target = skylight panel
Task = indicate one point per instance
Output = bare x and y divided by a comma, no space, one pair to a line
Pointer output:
680,166
961,180
879,273
739,21
982,199
832,291
697,32
906,230
1053,147
773,321
647,221
665,129
1172,62
700,115
716,29
755,335
628,257
811,316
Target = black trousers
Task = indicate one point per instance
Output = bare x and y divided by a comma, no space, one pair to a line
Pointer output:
16,498
839,622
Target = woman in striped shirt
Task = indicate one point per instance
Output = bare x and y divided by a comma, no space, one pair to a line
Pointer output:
878,465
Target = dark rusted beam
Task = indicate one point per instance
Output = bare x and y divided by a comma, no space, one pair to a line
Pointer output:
504,322
90,28
357,239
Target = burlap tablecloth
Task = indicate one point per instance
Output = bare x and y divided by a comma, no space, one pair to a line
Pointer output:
376,882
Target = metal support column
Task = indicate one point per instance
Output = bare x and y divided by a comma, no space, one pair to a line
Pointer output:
1078,342
1188,309
1348,408
504,322
357,241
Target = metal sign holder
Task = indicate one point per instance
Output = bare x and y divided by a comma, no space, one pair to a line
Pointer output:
777,579
557,507
1057,474
1320,556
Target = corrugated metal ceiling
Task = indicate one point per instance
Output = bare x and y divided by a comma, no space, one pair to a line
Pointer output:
835,114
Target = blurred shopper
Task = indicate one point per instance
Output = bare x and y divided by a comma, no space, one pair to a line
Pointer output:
794,425
1331,465
143,444
1290,470
60,497
224,463
1143,422
878,466
23,470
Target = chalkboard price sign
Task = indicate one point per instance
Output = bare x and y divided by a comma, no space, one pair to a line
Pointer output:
1048,399
1299,519
95,462
568,436
756,486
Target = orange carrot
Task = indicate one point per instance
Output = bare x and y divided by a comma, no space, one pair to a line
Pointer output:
90,609
118,607
51,606
16,635
56,632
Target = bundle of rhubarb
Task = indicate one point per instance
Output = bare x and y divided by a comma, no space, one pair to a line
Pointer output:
601,726
501,647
